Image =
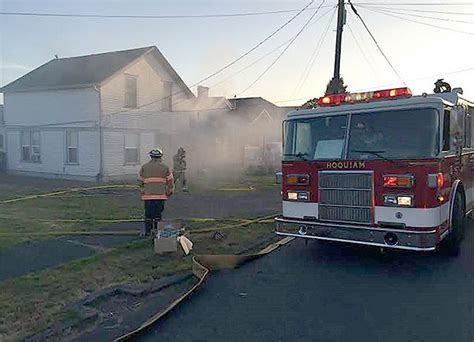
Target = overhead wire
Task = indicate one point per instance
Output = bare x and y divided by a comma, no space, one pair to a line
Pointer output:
284,50
138,16
417,21
432,76
416,3
356,40
268,53
314,55
225,67
420,10
426,16
376,43
441,74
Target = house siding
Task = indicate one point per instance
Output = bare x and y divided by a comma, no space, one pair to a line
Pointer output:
114,160
53,154
150,77
52,113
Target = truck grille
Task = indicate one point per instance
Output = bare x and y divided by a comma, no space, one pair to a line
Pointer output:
345,196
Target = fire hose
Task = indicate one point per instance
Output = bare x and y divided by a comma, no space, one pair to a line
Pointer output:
202,266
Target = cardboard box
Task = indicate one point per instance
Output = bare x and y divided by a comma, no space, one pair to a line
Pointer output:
166,239
165,245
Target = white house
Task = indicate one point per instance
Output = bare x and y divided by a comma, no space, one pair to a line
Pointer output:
2,141
93,117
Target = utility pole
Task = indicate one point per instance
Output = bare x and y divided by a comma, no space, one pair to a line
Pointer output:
336,85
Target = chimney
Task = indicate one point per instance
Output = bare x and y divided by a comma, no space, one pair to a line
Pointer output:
202,91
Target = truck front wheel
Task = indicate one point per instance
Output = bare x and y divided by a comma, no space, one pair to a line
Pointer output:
452,244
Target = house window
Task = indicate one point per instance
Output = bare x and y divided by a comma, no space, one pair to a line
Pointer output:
167,100
2,144
30,146
130,91
131,148
72,147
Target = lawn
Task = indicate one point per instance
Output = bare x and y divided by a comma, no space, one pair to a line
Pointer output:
35,301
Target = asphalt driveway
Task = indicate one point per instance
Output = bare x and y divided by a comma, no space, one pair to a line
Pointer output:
331,292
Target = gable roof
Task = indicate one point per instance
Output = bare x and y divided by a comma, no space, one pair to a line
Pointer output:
254,109
251,102
82,71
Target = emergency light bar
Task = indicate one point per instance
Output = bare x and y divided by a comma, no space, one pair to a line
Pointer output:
335,100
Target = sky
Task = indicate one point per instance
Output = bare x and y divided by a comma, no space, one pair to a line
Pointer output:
196,47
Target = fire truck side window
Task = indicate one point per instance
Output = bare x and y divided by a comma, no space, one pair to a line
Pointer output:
447,130
468,136
303,138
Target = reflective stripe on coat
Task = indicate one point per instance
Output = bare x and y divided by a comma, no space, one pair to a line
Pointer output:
156,180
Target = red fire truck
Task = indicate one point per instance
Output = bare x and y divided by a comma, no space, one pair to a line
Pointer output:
381,168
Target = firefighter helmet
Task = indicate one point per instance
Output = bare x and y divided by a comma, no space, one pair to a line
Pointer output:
156,153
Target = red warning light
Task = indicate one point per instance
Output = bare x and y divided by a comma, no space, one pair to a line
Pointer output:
334,100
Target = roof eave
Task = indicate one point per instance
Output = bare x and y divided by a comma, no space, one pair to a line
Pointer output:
5,90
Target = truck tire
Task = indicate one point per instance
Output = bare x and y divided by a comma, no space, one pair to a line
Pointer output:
452,244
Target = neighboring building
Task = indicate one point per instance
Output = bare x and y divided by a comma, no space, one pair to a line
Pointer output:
96,117
92,117
260,137
2,141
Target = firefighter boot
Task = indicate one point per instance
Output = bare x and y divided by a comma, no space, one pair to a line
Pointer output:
147,227
155,225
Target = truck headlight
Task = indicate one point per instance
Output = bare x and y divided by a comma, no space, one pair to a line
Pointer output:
405,201
303,196
394,200
297,195
292,195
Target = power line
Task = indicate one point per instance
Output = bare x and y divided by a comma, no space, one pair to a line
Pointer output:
359,90
361,50
418,10
284,50
314,55
376,43
125,16
268,53
438,75
416,4
425,16
225,67
418,22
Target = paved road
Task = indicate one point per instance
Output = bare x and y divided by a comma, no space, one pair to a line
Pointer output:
35,256
332,293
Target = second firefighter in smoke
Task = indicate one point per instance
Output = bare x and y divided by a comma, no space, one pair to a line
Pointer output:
179,169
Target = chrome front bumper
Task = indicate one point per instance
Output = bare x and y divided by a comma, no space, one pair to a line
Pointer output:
362,235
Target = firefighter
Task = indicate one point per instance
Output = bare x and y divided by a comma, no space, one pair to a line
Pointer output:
179,168
156,182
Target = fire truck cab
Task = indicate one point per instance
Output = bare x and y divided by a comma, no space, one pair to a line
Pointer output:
382,168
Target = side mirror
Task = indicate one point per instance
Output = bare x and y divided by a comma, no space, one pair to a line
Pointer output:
278,177
458,141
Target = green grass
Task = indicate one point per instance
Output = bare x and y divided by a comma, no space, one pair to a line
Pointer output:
33,302
46,214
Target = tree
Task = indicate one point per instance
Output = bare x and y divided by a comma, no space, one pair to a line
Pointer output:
336,86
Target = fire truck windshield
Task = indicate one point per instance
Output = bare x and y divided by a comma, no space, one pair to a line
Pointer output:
401,134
